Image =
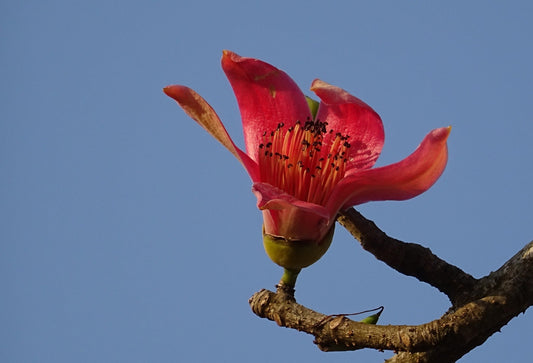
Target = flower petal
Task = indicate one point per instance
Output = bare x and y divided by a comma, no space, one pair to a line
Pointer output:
288,217
200,111
403,180
349,115
266,95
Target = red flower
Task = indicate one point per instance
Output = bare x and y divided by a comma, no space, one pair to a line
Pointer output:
305,167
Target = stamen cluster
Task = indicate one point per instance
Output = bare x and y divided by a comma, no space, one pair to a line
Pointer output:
296,160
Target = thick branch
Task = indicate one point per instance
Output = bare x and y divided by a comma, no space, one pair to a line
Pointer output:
340,333
408,258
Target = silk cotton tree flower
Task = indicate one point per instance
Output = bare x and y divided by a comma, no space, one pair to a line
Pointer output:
309,160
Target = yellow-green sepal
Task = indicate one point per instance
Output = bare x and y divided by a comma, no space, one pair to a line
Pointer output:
313,106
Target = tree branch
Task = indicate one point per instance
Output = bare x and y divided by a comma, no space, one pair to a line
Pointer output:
480,307
408,258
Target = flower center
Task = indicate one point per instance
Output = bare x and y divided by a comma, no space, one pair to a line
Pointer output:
297,161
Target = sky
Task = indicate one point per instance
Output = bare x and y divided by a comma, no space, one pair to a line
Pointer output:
127,234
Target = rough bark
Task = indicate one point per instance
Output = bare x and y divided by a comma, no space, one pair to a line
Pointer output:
479,307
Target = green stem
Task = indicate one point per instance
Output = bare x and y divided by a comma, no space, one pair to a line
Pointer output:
289,277
286,285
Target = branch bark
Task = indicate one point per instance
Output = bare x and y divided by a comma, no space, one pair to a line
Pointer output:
408,258
480,307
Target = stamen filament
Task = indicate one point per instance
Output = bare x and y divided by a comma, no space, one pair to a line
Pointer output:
295,160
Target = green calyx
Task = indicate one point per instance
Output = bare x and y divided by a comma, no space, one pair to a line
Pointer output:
295,255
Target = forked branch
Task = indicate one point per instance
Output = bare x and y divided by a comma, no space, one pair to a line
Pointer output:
479,307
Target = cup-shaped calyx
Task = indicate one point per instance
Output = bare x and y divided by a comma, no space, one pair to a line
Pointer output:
295,254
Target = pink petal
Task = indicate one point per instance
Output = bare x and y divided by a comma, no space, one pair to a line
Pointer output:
200,111
288,217
349,115
266,95
403,180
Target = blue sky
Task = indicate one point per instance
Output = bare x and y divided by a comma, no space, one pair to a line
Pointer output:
127,234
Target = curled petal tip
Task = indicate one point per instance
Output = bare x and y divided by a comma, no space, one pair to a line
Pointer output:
318,83
173,91
441,134
229,56
166,90
227,53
